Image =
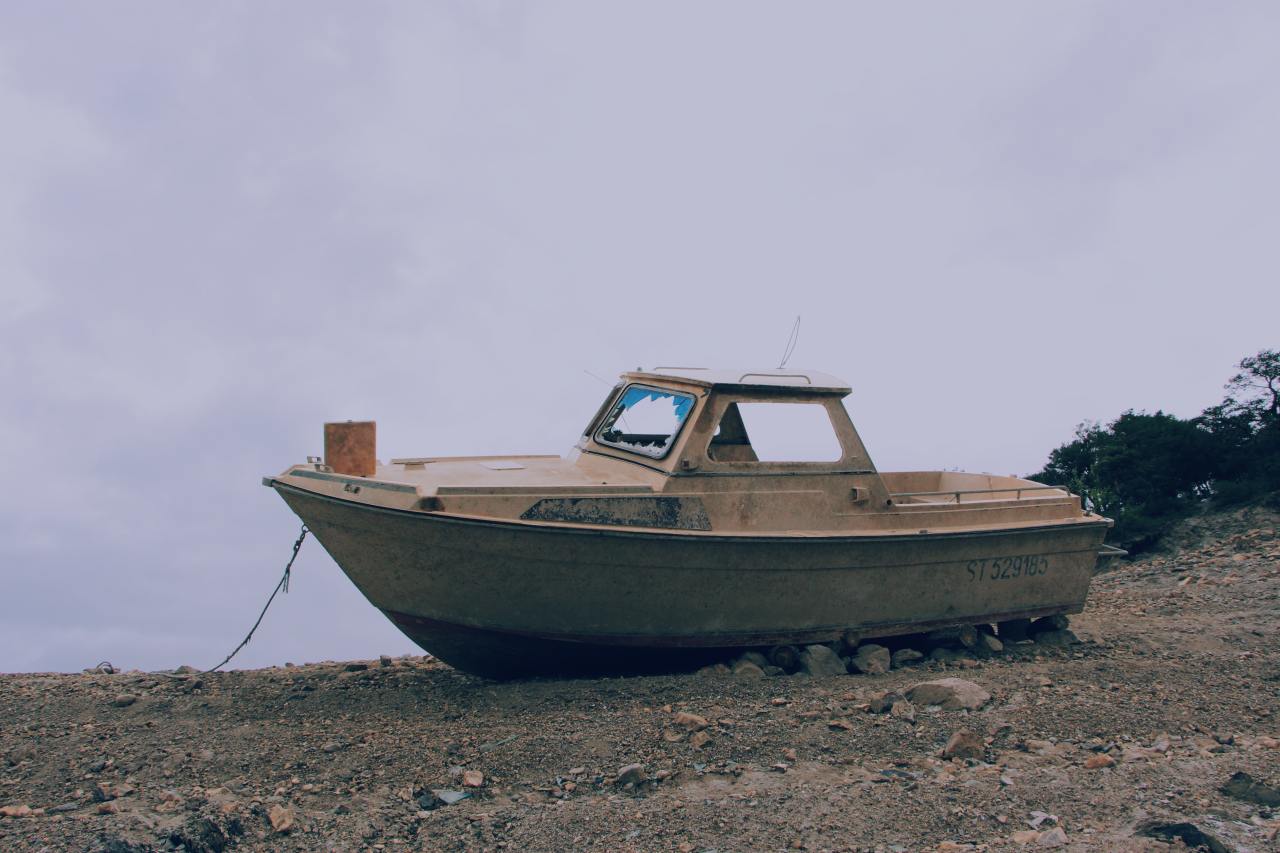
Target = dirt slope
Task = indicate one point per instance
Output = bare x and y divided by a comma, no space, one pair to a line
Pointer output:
1172,689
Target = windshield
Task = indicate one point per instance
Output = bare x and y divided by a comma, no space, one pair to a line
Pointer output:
645,421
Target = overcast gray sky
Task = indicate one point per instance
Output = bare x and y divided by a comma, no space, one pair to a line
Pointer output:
223,224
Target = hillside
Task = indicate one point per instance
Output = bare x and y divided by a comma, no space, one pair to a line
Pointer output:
1126,739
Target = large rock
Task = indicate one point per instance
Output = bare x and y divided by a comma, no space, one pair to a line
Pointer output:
820,660
871,659
953,694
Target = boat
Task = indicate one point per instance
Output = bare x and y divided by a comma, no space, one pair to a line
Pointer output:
686,523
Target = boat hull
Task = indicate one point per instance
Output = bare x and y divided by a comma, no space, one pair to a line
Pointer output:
505,599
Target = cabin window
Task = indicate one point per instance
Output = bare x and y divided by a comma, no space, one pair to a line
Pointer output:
775,432
645,420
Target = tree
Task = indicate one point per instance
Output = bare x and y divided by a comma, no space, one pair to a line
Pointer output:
1258,387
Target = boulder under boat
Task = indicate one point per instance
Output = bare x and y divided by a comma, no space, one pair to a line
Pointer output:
701,512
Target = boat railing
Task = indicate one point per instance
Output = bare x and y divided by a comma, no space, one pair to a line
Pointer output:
959,494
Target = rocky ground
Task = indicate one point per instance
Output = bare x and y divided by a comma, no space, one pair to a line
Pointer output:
1159,729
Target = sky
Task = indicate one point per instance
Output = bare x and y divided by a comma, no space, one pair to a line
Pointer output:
224,224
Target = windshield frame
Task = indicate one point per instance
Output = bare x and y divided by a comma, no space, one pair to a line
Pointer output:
617,399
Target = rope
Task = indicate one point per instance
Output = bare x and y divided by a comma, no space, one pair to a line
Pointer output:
283,584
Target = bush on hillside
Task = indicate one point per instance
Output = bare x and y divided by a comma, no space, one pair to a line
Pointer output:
1148,470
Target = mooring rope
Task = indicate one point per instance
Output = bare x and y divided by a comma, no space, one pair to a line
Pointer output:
283,584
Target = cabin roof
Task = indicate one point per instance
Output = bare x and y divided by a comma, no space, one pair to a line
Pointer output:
795,380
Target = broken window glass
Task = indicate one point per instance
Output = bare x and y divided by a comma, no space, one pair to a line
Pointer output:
645,420
775,432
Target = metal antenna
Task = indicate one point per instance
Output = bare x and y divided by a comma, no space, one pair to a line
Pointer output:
792,340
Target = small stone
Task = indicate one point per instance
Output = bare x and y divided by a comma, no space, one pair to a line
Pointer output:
952,694
989,644
785,657
820,661
843,725
281,818
774,671
905,657
356,667
449,798
1097,762
690,722
331,746
789,754
124,700
1024,837
883,702
965,744
630,774
1055,837
699,740
903,710
108,808
15,811
472,779
871,659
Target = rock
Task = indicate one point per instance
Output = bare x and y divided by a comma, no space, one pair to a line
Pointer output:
472,779
1189,834
1056,638
965,744
1097,762
1024,837
953,694
871,659
25,752
903,710
1056,622
988,644
882,703
356,667
1055,837
15,811
699,740
186,669
785,657
747,669
386,660
905,657
1242,786
690,722
1014,630
281,818
673,735
450,798
821,661
774,671
755,658
630,774
332,746
427,801
124,700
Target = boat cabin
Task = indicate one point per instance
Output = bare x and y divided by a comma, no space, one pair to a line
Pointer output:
692,419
